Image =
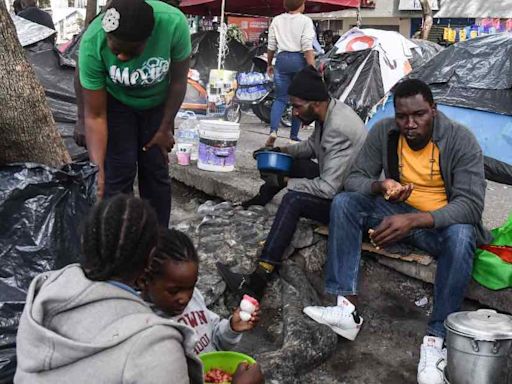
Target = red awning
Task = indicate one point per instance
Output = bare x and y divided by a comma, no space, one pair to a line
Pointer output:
260,7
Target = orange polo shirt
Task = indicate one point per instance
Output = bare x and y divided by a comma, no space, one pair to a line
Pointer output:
421,168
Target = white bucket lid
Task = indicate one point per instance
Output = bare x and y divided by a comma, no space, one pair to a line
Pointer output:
219,124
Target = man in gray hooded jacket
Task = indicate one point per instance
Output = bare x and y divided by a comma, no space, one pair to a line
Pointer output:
338,136
432,197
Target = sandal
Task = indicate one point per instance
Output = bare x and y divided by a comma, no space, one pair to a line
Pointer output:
271,139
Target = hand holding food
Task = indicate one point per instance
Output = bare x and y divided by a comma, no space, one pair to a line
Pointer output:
393,191
246,316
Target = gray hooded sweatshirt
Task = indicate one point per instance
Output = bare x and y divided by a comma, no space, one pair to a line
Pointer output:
74,330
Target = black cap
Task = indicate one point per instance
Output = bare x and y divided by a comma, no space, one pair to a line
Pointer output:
129,20
309,85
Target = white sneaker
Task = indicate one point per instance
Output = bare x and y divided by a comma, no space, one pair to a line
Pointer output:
432,361
343,320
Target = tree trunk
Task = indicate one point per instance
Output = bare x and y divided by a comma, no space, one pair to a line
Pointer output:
91,9
27,129
428,20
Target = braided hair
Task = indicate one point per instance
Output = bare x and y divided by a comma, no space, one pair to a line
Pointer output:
173,245
118,237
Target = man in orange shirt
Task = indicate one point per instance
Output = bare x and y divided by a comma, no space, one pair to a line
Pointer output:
432,197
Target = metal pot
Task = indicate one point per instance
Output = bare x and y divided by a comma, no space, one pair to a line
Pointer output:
479,346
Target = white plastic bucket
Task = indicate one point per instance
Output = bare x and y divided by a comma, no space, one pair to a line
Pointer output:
217,145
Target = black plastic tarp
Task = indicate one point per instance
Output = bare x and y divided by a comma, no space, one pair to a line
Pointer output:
427,50
57,81
41,210
475,74
367,90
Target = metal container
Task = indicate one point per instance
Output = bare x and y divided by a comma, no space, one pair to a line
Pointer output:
479,345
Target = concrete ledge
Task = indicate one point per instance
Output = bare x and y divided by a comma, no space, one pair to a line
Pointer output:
235,186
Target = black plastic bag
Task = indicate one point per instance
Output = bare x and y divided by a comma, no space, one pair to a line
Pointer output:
41,209
57,81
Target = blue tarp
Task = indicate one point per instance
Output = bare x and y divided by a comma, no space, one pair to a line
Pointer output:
493,131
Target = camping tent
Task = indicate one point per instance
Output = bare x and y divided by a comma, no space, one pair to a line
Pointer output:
472,84
366,63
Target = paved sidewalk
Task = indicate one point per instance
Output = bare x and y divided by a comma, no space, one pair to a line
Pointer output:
244,182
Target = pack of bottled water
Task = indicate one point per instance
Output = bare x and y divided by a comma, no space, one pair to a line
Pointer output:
252,78
253,93
187,131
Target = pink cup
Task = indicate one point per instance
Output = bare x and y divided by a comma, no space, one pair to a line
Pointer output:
183,158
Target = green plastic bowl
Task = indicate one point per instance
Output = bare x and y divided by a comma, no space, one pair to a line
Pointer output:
226,360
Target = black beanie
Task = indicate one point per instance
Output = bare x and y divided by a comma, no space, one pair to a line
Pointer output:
129,20
309,85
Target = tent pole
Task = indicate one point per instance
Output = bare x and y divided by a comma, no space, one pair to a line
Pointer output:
222,39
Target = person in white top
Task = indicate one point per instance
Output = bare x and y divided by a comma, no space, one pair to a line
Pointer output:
169,287
291,35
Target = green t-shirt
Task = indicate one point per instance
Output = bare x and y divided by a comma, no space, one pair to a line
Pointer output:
141,82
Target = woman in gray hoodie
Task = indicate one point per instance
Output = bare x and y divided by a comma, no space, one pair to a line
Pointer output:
86,323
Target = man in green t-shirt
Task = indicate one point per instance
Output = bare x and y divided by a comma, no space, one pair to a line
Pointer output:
133,65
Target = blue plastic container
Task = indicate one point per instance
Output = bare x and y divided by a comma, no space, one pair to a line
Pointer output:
275,162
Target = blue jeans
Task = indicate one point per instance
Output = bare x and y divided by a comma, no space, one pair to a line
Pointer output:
352,214
293,206
287,66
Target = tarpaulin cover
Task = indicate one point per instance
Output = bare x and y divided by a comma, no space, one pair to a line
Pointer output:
492,130
29,32
70,55
41,210
57,81
427,50
260,7
205,48
476,73
367,89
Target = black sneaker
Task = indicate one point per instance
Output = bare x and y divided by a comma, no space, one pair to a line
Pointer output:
253,284
257,200
266,193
